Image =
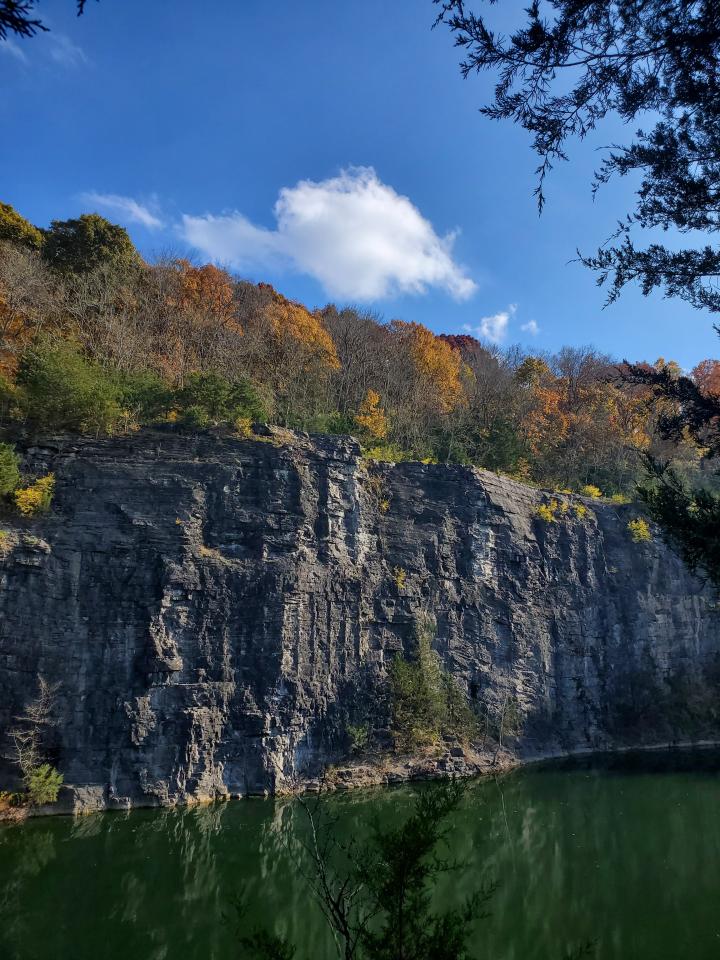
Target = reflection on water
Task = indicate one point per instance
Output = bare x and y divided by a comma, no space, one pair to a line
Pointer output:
623,852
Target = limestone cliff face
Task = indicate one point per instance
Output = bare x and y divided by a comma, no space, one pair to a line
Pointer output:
217,610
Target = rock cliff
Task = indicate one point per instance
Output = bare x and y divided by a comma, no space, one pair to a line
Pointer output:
217,610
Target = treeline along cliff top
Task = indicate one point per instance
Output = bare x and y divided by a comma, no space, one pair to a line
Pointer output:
95,339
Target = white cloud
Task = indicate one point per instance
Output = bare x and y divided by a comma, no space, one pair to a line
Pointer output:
531,327
493,328
63,51
353,233
124,207
13,50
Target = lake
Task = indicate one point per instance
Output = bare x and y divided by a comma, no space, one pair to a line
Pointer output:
622,850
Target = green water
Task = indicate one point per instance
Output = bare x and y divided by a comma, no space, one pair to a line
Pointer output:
626,852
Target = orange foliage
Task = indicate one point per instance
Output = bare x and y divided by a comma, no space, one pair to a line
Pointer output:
207,288
371,417
707,376
548,423
554,418
438,363
202,313
290,320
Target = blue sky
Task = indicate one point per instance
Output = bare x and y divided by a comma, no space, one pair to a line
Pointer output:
329,148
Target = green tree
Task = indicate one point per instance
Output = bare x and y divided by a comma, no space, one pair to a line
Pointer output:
43,784
215,398
377,896
426,701
690,519
9,472
80,245
17,230
143,395
59,389
399,872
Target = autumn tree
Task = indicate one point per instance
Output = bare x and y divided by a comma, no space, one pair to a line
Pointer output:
438,364
580,422
170,317
364,347
28,302
18,231
486,429
371,418
111,315
289,350
706,375
193,317
426,384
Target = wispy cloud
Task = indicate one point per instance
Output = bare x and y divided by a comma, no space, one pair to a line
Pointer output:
63,51
11,49
495,327
531,327
126,208
354,234
56,47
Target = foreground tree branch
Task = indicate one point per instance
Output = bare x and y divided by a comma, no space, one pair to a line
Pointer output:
575,62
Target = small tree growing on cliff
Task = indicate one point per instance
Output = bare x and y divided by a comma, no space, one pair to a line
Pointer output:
9,471
426,700
28,743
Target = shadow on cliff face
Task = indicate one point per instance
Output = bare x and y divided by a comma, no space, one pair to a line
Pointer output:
683,704
363,702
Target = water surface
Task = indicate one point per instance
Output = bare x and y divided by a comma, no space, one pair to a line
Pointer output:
624,851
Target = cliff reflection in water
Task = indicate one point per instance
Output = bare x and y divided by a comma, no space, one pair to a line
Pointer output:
626,853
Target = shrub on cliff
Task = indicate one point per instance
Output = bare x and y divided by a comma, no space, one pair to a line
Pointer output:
37,497
639,530
28,739
690,519
143,396
59,389
426,700
212,398
9,472
43,784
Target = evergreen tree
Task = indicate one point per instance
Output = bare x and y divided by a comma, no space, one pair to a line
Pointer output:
81,245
